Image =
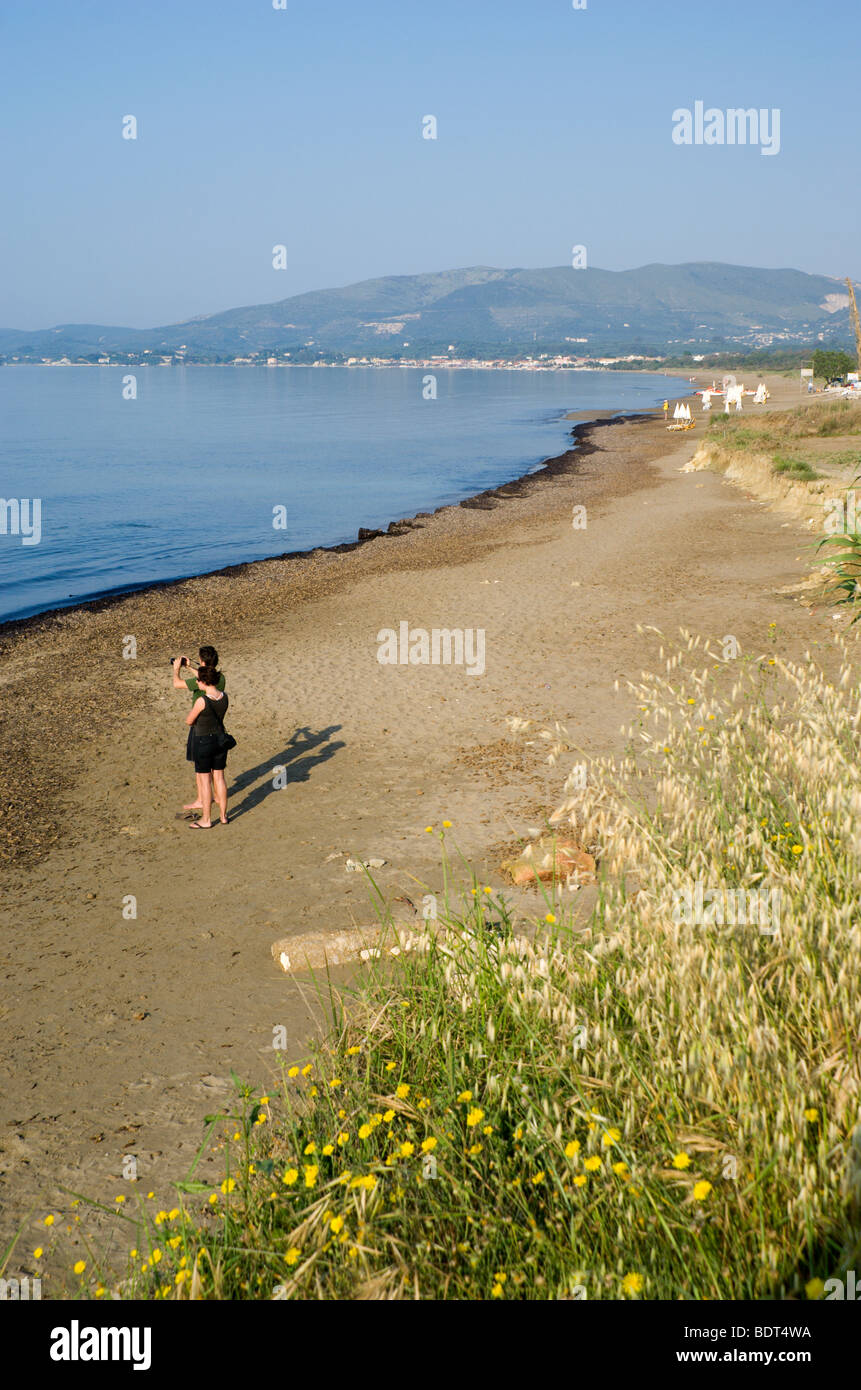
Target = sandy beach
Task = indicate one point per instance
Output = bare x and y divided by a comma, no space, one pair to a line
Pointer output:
122,1030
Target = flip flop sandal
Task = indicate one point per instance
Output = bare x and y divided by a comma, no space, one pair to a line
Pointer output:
196,825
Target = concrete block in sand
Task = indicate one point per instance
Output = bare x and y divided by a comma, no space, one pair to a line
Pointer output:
315,950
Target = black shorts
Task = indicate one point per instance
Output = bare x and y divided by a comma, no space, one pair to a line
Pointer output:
208,757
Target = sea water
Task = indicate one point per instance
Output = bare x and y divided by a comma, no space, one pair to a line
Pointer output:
207,466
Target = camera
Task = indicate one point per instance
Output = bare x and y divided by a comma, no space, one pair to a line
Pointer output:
183,661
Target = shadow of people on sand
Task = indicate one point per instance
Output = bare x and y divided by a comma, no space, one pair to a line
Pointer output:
294,764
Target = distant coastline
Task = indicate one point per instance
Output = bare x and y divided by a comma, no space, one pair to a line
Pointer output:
545,362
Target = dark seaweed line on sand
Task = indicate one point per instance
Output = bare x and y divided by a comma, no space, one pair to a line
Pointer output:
566,462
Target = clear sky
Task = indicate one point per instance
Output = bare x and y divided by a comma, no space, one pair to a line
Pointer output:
303,127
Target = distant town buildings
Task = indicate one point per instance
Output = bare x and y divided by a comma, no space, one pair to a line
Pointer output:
545,361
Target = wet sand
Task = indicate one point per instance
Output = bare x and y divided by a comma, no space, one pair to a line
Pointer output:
120,1032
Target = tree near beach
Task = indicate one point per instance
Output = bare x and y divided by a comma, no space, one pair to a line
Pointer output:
831,363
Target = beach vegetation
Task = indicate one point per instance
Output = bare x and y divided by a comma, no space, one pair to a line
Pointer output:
797,470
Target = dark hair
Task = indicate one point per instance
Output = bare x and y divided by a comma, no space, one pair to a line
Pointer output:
208,656
208,675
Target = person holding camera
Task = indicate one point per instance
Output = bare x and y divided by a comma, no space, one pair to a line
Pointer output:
210,745
208,657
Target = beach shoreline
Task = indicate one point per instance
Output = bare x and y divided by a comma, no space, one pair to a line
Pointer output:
75,623
124,1028
587,422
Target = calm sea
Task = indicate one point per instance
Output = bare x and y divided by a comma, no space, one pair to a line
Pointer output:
192,474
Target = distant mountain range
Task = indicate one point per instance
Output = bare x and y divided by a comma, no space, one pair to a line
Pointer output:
700,306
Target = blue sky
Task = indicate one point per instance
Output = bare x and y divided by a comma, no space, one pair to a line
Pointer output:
303,127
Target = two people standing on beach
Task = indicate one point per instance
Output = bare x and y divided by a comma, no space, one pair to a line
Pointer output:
208,742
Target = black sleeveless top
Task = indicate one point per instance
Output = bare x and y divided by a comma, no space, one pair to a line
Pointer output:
211,717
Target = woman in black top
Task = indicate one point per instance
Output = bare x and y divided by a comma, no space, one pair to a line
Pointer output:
206,719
